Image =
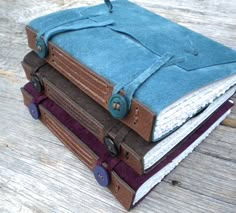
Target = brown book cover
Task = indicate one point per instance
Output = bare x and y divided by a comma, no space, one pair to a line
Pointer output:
125,184
95,86
120,140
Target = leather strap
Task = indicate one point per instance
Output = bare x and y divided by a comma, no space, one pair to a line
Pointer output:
108,128
74,26
50,27
35,70
121,135
114,137
38,100
64,25
131,87
190,48
69,18
109,5
113,162
103,158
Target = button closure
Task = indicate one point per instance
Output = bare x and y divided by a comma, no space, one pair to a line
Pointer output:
34,111
102,176
37,84
118,106
41,48
111,146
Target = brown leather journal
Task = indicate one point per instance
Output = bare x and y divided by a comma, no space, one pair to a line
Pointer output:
125,184
119,140
118,187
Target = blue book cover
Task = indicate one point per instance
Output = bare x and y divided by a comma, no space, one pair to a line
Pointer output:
173,72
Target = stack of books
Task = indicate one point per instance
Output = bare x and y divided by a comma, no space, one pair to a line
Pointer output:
129,92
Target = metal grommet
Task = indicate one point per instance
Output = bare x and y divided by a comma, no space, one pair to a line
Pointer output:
36,83
41,48
102,176
34,111
118,106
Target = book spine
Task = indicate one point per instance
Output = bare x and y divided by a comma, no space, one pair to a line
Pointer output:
140,118
123,193
100,130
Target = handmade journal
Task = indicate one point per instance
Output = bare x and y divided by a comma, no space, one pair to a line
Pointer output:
148,72
125,184
120,140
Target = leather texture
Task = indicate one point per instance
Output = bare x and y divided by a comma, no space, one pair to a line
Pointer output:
124,181
84,109
123,192
136,40
132,148
95,86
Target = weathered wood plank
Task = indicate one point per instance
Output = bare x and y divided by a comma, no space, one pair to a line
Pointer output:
230,121
40,164
38,174
49,166
193,202
220,144
208,176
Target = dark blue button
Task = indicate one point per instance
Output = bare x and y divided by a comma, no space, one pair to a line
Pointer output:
118,106
34,111
37,84
41,48
102,176
111,146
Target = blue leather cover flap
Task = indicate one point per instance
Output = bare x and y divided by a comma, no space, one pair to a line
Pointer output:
137,39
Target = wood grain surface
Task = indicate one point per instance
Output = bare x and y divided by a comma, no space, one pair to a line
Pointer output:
38,174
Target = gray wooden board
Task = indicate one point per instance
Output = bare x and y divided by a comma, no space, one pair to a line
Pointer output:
38,174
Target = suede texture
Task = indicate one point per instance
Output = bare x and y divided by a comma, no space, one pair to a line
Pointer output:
124,171
136,40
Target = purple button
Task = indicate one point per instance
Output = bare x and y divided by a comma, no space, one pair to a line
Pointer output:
102,176
34,111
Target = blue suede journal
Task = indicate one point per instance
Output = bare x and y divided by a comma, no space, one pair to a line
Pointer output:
152,59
